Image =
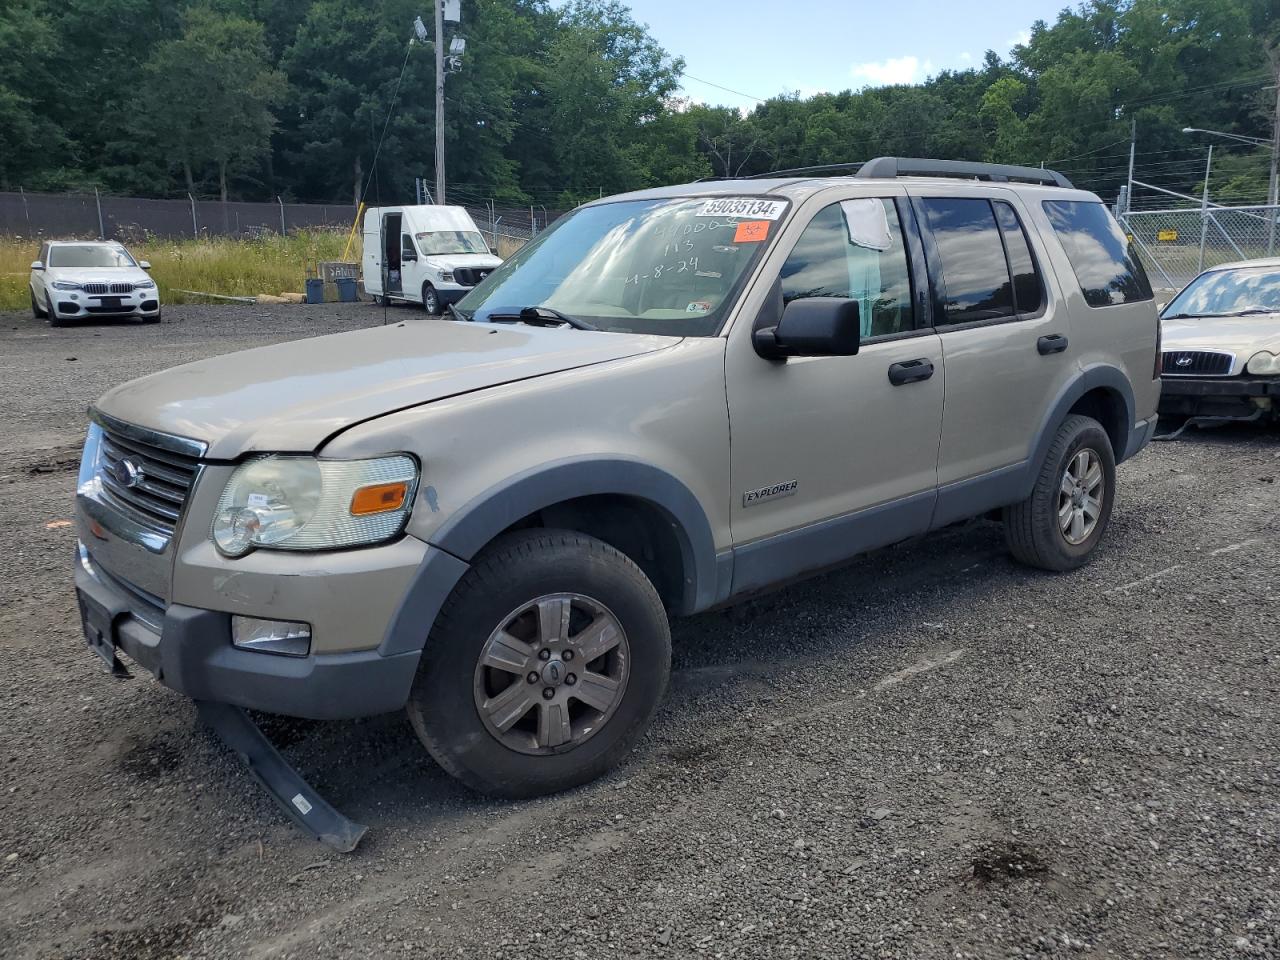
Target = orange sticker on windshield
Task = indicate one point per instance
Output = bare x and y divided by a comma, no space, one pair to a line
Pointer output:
751,231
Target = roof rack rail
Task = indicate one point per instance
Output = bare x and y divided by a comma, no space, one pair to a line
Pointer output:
968,169
793,171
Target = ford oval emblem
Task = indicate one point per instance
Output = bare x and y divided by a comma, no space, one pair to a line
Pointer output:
127,473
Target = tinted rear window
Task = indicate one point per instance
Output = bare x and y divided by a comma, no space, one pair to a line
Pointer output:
974,270
1101,255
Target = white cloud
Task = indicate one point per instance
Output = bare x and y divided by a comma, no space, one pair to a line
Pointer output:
888,72
966,57
1022,38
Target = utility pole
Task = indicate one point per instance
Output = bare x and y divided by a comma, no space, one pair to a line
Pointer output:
1133,146
1204,209
439,45
1273,185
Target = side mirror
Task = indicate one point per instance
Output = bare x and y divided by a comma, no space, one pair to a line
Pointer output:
812,327
145,264
37,264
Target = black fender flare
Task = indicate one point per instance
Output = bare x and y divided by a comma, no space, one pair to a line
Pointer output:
1091,378
457,541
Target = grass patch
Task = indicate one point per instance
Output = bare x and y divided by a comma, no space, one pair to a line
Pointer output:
237,268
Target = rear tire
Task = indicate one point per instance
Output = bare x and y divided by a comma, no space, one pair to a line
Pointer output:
544,666
1059,526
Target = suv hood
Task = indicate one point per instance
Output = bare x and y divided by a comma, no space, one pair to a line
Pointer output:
1243,336
291,397
97,274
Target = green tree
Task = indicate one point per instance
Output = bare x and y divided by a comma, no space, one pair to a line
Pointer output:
28,48
209,96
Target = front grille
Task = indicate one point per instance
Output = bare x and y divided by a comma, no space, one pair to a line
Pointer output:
96,287
155,489
122,288
470,276
1196,363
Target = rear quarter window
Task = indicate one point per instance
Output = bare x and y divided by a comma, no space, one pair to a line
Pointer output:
1103,259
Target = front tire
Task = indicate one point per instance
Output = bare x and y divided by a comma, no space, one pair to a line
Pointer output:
1059,526
35,308
430,300
544,666
54,319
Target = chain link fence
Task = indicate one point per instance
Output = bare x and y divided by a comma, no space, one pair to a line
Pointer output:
39,216
1176,244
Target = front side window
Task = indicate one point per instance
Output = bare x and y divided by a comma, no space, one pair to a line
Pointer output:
443,242
974,271
89,255
854,250
671,267
1105,265
406,248
1245,292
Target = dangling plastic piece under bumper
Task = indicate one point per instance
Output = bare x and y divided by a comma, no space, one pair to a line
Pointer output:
307,809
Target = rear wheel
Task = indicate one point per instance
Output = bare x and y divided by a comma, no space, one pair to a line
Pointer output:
430,300
544,667
1061,523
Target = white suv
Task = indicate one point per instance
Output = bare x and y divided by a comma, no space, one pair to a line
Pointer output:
76,279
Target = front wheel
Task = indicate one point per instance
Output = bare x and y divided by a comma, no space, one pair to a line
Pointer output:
1061,523
54,319
430,300
544,667
35,307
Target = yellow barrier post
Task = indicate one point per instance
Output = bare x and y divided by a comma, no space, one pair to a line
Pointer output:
346,251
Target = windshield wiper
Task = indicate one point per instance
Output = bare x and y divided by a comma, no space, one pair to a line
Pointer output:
542,317
456,313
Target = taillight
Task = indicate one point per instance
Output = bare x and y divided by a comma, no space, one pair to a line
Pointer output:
1159,364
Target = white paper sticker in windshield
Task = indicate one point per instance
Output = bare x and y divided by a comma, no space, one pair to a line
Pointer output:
868,224
753,208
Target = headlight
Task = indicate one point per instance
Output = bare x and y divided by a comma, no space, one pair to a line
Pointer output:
65,285
1263,363
446,276
144,284
301,503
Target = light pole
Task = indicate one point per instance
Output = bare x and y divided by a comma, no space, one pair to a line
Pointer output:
1273,181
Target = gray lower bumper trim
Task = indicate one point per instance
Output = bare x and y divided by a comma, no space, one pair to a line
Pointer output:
306,808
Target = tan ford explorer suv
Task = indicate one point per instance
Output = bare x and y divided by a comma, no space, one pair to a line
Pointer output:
668,400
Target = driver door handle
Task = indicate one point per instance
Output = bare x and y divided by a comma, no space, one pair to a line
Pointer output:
910,371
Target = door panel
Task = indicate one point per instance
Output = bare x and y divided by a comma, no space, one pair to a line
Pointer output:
818,438
999,384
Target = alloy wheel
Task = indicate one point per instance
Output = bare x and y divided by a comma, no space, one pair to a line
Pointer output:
1080,496
552,673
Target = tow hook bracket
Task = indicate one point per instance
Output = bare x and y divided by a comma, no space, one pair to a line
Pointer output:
309,811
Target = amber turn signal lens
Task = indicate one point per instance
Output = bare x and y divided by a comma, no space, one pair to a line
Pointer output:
379,498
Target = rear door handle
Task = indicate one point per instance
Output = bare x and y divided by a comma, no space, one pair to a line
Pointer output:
910,371
1053,343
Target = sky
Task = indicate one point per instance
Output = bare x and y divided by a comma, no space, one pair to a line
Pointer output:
760,49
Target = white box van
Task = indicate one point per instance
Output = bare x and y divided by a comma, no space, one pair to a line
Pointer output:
432,255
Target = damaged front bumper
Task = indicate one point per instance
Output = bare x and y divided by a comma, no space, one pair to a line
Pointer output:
1227,397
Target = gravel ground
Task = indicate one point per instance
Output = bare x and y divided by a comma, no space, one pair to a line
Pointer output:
930,753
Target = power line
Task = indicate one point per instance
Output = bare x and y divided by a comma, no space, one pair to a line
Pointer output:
689,76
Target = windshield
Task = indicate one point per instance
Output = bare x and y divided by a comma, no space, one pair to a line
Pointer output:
440,242
89,255
638,266
1226,293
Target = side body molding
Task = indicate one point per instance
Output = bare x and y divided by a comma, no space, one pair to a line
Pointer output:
465,534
